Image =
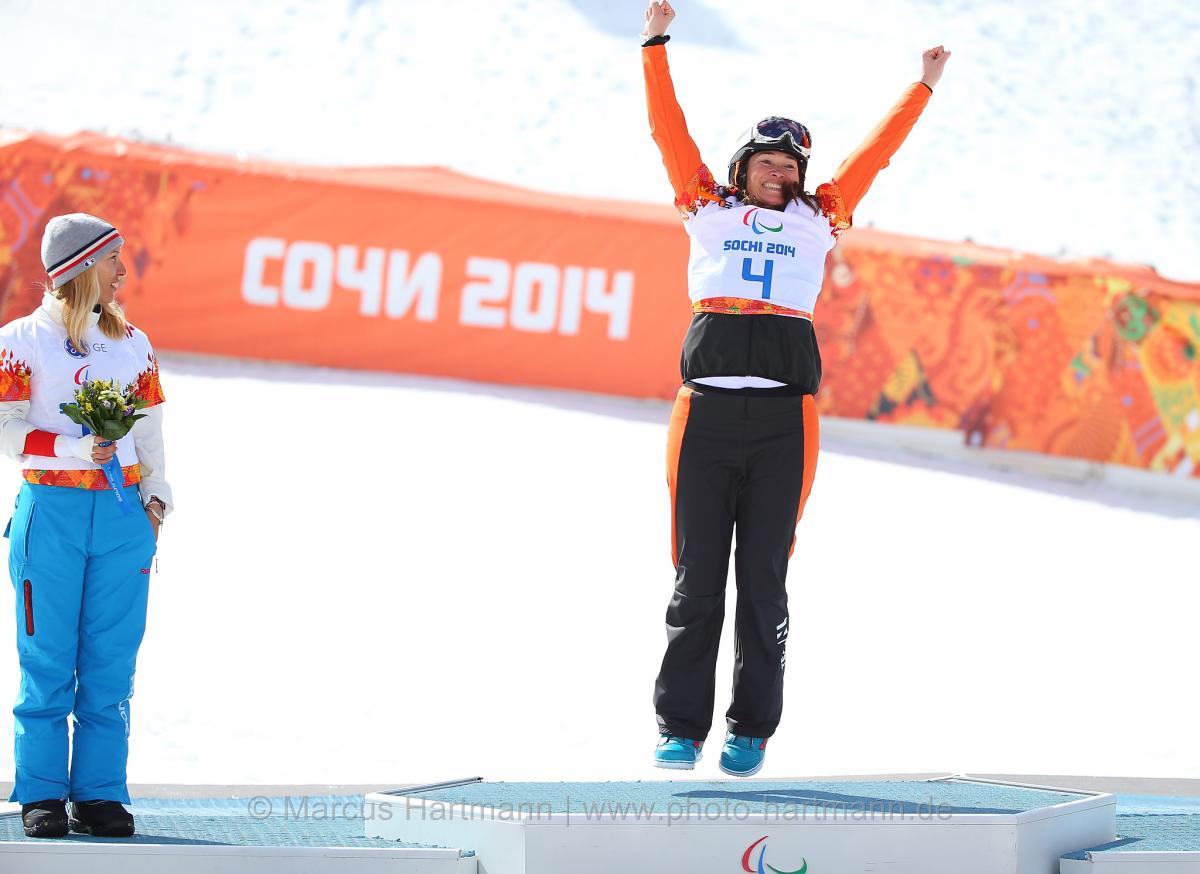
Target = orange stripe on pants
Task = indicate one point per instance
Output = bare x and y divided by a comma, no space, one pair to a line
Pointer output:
679,418
812,443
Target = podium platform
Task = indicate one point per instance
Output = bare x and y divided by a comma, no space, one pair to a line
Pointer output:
313,834
1163,837
943,826
783,826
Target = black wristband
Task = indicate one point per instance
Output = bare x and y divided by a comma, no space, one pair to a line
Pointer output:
656,41
930,87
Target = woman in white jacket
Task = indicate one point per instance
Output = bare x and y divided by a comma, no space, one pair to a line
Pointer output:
79,563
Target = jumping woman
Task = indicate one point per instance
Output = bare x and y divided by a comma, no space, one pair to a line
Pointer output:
742,444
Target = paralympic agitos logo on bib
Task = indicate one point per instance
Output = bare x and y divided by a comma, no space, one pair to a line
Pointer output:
751,221
763,865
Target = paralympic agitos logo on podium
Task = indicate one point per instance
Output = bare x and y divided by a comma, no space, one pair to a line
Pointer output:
763,865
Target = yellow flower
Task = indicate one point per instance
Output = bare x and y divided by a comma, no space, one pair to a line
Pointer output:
87,408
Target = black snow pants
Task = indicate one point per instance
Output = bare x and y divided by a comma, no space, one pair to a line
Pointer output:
735,460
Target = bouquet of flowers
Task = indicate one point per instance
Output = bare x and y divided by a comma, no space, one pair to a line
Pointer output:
102,408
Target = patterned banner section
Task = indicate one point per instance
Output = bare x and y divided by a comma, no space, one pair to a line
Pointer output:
1089,360
420,270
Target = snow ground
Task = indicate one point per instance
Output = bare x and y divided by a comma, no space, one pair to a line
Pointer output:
472,579
467,580
1067,127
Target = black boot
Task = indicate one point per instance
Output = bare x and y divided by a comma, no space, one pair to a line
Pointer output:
102,819
45,819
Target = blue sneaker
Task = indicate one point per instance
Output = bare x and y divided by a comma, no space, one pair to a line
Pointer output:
679,753
743,756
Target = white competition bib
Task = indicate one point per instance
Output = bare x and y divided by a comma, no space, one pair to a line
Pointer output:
773,259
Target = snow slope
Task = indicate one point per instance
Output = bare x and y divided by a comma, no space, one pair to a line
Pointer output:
1063,127
472,580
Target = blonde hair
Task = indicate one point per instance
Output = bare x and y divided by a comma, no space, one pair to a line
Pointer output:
79,297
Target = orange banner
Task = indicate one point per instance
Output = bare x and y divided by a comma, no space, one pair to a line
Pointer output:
1088,359
410,270
420,270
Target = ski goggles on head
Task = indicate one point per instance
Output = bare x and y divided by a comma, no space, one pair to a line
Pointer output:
776,131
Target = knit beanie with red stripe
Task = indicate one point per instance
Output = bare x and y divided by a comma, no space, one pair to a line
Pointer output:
73,243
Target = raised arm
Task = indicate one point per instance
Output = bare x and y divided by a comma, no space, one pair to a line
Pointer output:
857,172
690,179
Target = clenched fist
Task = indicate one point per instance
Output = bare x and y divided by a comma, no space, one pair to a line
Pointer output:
933,63
659,15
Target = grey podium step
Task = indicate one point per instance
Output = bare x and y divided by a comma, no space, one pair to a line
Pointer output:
315,834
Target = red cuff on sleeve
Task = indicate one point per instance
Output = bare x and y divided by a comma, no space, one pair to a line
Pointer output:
40,443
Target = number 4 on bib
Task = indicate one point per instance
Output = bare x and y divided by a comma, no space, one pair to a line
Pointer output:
764,278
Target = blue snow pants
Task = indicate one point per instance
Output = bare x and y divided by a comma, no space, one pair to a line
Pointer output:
81,570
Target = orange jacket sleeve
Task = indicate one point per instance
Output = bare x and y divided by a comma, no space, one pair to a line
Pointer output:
858,171
690,179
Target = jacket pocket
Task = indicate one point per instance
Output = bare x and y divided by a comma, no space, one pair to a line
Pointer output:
28,608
